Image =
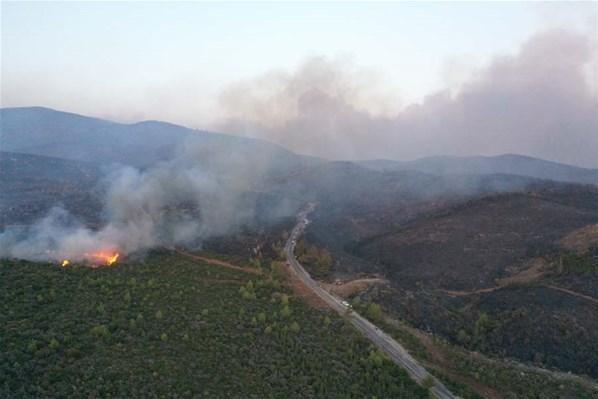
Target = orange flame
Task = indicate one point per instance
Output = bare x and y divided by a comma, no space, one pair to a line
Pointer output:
65,263
112,259
108,258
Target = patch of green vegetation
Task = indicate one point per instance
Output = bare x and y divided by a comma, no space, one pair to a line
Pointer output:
169,327
375,314
585,264
317,261
507,379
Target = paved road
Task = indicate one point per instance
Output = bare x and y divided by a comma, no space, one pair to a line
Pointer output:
386,343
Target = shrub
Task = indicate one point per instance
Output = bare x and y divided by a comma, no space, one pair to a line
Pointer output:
295,327
285,312
428,382
100,331
374,312
261,317
54,344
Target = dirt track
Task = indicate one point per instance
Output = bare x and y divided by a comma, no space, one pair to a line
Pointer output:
534,272
577,294
219,262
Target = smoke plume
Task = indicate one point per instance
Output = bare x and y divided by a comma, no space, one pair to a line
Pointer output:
200,193
541,102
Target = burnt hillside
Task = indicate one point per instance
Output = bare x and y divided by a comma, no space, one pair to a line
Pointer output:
470,245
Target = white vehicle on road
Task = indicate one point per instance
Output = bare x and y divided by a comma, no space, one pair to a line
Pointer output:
346,304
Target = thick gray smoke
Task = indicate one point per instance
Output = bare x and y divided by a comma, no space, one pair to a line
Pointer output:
540,102
198,194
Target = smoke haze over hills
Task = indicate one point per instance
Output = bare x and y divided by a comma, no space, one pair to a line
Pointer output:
203,191
540,102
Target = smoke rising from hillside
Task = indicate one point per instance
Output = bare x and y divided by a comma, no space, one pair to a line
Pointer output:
541,102
182,201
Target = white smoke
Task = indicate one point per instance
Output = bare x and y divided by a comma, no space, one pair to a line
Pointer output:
541,101
196,195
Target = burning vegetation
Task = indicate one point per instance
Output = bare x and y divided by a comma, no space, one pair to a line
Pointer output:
105,257
97,258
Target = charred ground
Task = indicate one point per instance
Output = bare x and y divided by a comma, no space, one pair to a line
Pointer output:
491,273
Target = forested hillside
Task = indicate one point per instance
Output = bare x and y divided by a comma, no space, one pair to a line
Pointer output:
171,327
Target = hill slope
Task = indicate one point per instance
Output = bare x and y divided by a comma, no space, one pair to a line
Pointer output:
470,245
32,184
170,327
497,275
47,132
506,164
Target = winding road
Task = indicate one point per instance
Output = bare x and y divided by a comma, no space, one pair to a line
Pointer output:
387,344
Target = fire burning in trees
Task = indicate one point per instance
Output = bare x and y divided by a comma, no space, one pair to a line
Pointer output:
105,257
112,259
102,257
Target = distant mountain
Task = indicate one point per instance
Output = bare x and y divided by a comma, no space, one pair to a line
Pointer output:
503,164
47,132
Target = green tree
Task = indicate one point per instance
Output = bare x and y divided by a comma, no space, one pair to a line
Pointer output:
482,325
100,331
374,311
285,312
54,344
261,317
277,270
32,346
295,327
376,358
428,382
463,337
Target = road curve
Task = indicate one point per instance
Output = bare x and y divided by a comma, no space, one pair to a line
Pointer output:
387,344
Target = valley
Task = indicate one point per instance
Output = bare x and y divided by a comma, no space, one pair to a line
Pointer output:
298,200
486,281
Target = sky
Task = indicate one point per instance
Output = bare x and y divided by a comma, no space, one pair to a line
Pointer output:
338,80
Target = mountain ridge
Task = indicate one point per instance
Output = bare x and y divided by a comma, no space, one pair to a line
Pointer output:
48,132
515,164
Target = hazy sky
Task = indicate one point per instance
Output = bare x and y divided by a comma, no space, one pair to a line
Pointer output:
220,65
